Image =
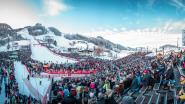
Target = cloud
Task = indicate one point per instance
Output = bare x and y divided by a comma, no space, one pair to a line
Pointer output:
167,33
55,7
17,13
178,4
169,27
174,26
123,29
115,29
152,37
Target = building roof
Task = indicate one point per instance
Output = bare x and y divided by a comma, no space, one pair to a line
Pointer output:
22,42
86,50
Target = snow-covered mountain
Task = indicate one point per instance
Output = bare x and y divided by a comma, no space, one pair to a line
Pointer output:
39,30
7,34
67,43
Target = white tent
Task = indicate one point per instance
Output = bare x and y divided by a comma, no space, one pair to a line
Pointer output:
150,55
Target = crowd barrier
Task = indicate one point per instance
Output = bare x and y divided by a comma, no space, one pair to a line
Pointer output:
72,72
76,73
28,70
45,75
34,91
45,98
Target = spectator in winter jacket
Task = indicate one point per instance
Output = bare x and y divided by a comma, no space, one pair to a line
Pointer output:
92,85
106,86
93,99
100,99
181,96
66,92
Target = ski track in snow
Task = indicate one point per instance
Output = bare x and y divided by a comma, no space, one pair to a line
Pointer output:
21,74
42,54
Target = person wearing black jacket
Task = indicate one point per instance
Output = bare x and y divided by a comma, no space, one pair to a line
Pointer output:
169,76
100,99
110,100
70,100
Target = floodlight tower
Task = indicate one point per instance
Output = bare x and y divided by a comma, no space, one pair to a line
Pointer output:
177,42
8,47
183,37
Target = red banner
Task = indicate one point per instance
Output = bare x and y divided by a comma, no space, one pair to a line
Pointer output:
51,71
72,72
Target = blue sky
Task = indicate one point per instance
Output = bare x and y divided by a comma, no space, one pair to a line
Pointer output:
83,16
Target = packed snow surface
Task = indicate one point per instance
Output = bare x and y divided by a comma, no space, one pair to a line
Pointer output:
21,74
42,54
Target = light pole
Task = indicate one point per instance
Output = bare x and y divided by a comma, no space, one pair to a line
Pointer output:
8,47
156,51
177,43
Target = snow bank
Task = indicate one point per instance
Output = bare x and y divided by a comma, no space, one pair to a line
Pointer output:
4,48
61,40
124,53
42,54
22,42
30,87
20,74
151,54
25,34
35,82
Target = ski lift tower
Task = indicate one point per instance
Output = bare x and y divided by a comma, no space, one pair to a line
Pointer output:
183,38
8,47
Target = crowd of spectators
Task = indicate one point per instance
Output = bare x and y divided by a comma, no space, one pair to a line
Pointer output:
7,79
118,79
114,79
